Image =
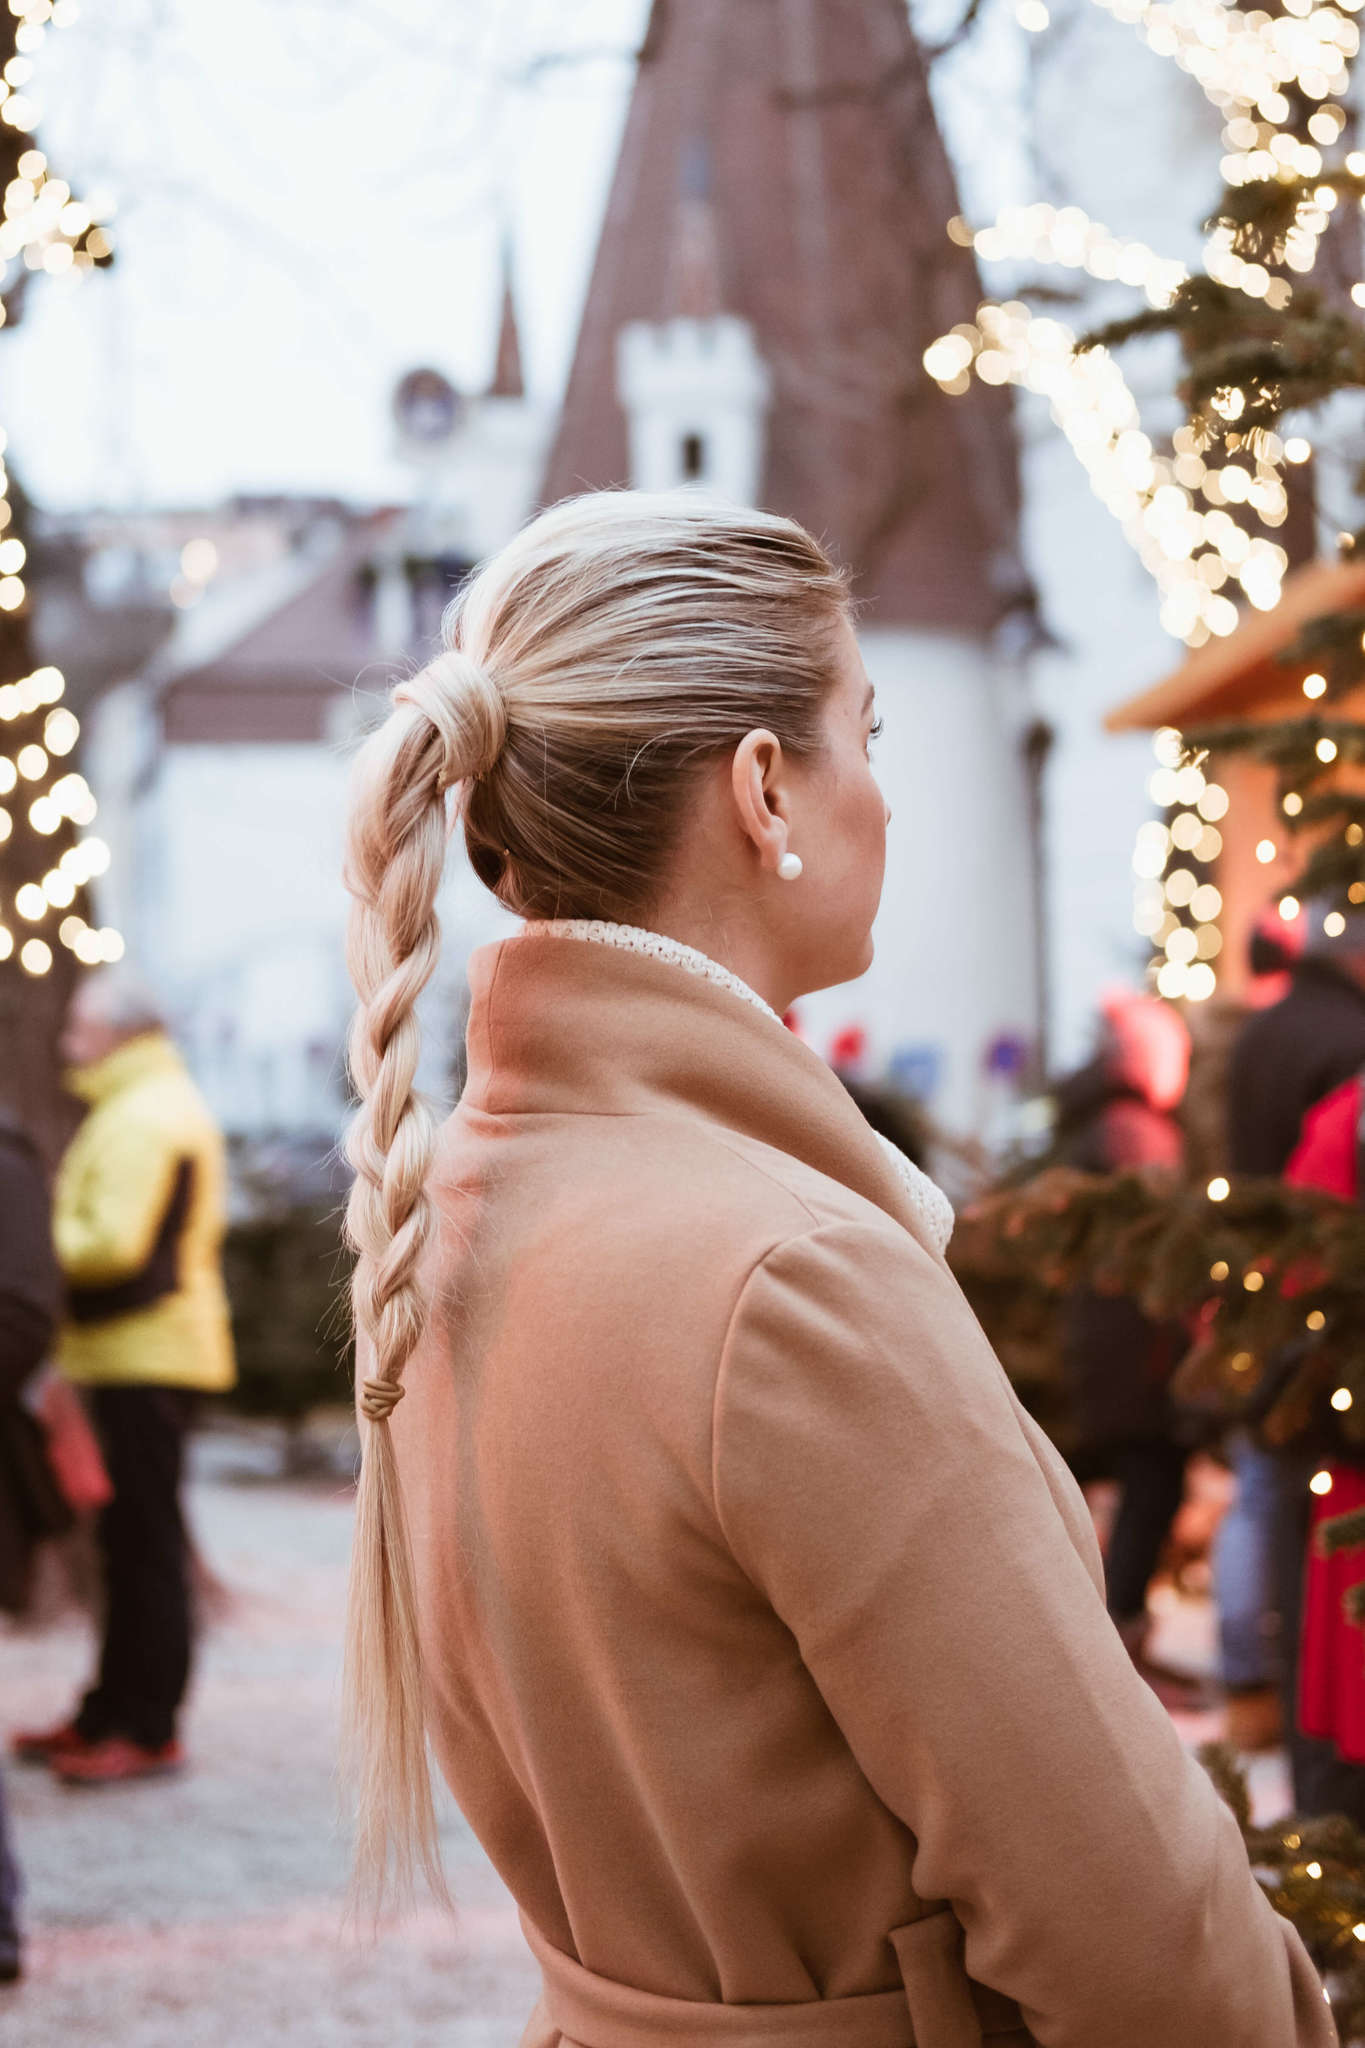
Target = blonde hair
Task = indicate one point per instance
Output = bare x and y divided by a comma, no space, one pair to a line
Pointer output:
617,643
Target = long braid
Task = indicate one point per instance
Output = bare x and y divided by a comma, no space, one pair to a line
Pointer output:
446,725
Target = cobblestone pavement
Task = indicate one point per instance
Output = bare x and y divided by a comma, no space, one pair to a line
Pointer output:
206,1911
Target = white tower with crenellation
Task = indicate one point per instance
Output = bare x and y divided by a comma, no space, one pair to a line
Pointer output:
695,393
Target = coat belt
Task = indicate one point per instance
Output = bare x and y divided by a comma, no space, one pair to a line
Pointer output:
938,2006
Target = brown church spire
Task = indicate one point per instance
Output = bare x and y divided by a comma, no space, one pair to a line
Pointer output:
694,288
507,378
781,161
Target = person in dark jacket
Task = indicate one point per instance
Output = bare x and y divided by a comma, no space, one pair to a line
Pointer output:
1289,1056
1116,1113
30,1297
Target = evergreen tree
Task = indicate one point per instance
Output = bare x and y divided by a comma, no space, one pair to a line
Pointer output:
46,858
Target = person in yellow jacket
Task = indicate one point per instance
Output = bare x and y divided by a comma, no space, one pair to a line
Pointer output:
139,1215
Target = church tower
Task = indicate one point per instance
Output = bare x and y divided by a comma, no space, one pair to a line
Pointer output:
694,387
772,265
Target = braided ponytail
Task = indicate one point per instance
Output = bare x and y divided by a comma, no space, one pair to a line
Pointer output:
447,725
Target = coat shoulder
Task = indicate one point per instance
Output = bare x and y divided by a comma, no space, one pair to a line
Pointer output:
628,1236
794,1193
689,1180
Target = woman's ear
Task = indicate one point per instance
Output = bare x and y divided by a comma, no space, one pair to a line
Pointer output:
758,788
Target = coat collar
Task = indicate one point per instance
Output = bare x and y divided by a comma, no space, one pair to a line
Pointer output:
560,1027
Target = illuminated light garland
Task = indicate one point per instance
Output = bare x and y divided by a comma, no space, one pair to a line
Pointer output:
1066,235
1172,907
1150,494
1242,60
1245,59
43,227
1248,63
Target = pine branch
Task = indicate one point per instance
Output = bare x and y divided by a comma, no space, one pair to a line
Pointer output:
1341,1532
1330,632
1287,743
1261,213
1329,807
1271,1280
1229,1780
1333,869
1313,1873
1278,358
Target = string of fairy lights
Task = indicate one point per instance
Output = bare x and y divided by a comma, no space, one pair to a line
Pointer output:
1244,58
1191,549
1191,514
43,228
1190,552
1174,907
68,797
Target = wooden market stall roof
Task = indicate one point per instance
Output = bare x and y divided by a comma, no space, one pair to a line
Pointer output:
1241,673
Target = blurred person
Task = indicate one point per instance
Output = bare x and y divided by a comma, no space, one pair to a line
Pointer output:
139,1219
1295,1051
1116,1113
30,1504
758,1630
1275,946
1325,1678
893,1115
1214,1028
1288,1056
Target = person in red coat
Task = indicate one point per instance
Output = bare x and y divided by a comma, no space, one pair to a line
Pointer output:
1289,1057
1331,1679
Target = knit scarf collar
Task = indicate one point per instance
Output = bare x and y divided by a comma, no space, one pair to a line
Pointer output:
631,938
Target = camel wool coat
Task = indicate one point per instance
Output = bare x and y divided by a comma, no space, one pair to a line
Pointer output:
764,1631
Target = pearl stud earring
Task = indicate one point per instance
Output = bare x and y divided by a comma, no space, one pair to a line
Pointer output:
789,867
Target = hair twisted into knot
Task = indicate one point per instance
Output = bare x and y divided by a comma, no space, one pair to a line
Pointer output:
465,709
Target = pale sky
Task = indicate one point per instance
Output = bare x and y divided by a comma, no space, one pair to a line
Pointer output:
311,195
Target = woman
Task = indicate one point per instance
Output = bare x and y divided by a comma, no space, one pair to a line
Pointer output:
757,1630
